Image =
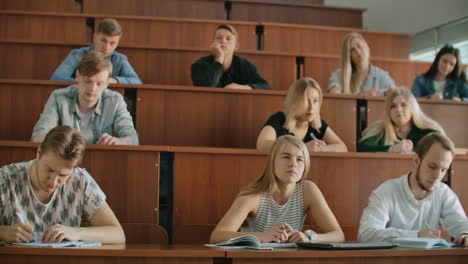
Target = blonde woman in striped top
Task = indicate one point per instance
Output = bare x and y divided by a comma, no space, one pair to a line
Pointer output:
274,207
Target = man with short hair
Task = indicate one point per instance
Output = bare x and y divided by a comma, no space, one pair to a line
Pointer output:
224,69
105,40
99,113
416,204
47,198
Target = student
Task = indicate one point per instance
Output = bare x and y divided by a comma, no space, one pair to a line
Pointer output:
357,75
415,204
46,198
105,40
445,79
402,126
224,69
274,207
301,117
99,113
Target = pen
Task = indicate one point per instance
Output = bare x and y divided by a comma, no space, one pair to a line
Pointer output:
20,217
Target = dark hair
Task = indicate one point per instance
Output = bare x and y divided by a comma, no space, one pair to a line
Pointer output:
66,142
457,72
94,62
109,27
427,141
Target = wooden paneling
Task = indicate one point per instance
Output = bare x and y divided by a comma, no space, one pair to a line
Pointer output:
179,116
144,233
328,40
208,117
450,115
403,72
206,9
156,32
346,180
33,95
158,66
294,13
183,33
129,176
34,26
32,61
43,5
459,181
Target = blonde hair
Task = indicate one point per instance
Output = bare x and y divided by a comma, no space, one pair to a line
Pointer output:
296,102
384,126
268,182
349,84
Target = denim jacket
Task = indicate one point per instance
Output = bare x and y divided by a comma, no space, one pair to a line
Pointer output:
121,68
424,88
109,116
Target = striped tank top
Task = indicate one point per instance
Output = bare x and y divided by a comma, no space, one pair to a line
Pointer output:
271,214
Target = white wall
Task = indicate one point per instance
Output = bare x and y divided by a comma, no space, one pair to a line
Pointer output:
406,16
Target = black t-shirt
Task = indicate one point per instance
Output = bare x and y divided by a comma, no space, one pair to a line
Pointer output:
208,72
277,122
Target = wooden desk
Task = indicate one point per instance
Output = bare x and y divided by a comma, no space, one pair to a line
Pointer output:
214,117
328,40
206,182
130,253
403,72
18,119
413,256
128,175
38,60
295,13
451,115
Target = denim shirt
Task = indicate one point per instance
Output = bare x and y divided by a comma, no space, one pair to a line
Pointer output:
109,116
424,88
121,68
377,79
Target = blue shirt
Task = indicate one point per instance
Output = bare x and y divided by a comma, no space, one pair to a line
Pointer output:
423,87
122,71
109,116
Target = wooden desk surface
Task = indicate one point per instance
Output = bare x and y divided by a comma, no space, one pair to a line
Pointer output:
413,256
129,253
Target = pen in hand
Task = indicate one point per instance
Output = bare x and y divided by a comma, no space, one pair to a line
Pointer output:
20,217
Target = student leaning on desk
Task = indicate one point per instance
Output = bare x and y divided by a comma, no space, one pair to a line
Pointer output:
45,199
274,207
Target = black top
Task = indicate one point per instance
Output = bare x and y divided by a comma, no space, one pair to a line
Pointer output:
208,72
277,122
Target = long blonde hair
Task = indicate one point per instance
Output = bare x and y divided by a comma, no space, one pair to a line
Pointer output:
384,127
268,182
349,84
296,101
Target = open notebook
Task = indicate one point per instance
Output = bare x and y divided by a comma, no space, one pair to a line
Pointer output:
250,242
348,245
61,244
